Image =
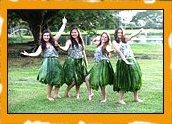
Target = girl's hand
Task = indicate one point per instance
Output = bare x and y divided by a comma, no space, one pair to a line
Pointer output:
141,30
25,53
64,20
129,63
57,44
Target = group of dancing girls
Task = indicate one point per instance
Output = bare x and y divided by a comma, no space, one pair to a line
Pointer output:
74,70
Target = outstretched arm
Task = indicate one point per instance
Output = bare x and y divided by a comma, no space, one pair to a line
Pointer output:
37,53
134,34
66,47
57,36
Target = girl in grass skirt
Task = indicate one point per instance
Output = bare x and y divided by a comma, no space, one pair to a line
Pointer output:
75,66
51,71
101,74
128,72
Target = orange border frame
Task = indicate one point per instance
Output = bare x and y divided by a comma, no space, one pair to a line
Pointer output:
165,118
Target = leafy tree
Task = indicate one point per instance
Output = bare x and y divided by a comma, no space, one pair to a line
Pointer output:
38,20
149,19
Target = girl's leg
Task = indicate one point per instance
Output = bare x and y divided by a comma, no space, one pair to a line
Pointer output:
136,97
103,95
90,94
66,94
77,92
49,89
56,94
121,97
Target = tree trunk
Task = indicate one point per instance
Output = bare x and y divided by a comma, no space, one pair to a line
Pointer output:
35,20
36,31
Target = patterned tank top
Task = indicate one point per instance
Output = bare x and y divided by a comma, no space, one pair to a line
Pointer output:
50,52
98,55
126,50
76,52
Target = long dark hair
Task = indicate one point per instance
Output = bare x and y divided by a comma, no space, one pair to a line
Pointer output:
51,40
74,42
104,51
116,36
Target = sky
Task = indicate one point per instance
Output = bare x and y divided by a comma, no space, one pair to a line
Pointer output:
126,15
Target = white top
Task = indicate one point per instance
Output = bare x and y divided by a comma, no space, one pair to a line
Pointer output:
98,55
126,50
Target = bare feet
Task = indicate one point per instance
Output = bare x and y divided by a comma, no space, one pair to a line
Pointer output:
66,95
90,96
50,98
103,101
77,96
56,96
138,100
121,102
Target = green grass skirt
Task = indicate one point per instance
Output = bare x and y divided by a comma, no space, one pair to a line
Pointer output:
128,77
101,74
51,72
74,70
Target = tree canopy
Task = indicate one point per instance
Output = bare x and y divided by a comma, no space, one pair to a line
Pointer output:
149,19
38,20
86,20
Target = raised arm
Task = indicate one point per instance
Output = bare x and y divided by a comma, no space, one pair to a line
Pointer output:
66,47
37,53
134,34
57,36
121,54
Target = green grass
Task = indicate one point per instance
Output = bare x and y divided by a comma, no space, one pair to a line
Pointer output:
26,95
149,49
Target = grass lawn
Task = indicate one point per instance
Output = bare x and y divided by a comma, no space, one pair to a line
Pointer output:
139,48
27,95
